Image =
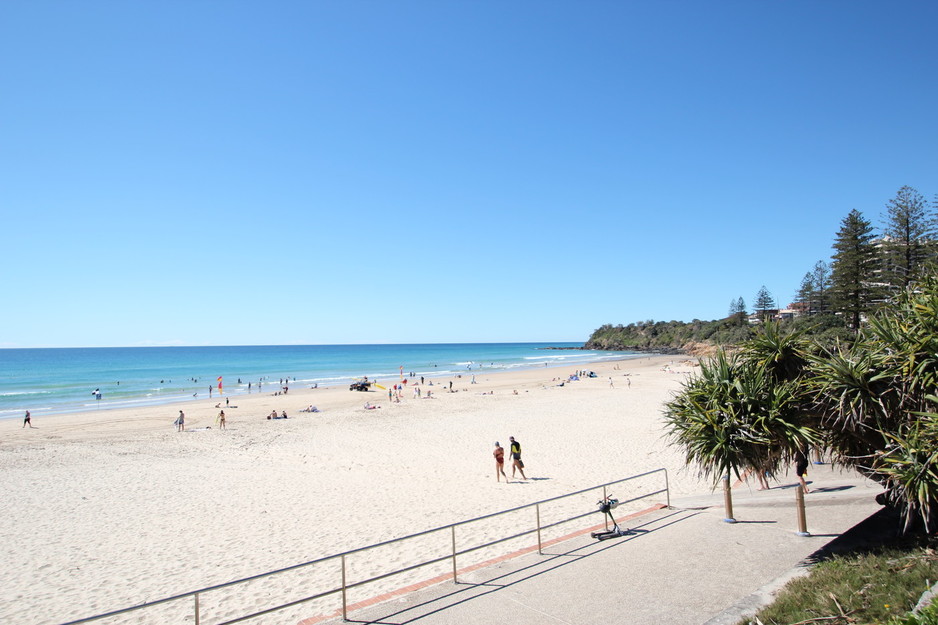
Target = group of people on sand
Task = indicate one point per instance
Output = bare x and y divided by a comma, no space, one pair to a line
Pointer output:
515,455
221,420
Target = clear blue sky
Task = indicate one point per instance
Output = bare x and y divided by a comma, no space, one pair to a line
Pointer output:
221,172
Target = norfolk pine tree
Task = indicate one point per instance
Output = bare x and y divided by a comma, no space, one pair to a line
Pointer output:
908,238
854,269
738,310
814,292
805,293
764,302
822,284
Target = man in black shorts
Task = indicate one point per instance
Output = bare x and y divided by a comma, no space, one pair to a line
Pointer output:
515,452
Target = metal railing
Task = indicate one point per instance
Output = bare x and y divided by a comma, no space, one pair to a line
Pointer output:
345,586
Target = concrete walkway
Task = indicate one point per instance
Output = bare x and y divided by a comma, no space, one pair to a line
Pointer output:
683,565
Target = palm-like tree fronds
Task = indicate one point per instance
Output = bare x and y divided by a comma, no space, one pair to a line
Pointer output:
733,415
909,466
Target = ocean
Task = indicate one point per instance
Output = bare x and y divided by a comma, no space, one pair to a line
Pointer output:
64,380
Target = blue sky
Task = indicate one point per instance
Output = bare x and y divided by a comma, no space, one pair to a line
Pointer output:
356,172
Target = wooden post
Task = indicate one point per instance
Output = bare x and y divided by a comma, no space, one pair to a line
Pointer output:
728,500
799,504
196,608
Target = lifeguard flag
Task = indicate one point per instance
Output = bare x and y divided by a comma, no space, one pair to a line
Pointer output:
219,384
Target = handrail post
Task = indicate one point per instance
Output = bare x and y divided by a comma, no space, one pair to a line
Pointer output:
537,511
196,595
453,537
605,520
667,488
344,598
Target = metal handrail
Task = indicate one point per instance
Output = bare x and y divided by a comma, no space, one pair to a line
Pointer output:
345,586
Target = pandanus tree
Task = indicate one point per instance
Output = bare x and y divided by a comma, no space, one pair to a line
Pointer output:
851,394
735,414
785,355
782,353
871,403
909,469
877,399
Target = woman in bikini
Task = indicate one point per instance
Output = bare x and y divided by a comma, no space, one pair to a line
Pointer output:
499,454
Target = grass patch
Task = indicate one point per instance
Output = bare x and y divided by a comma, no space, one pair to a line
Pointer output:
865,587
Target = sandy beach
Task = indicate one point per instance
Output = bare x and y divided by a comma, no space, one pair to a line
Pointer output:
109,509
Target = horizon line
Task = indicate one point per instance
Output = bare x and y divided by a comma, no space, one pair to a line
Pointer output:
157,345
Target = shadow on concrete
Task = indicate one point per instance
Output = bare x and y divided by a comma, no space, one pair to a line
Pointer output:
819,489
878,530
468,591
790,486
831,489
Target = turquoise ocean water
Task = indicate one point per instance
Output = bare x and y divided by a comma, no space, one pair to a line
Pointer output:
63,380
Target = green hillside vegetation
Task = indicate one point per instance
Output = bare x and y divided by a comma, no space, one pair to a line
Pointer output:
700,337
668,336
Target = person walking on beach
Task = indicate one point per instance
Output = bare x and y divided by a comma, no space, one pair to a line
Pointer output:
499,454
27,420
516,462
181,422
221,420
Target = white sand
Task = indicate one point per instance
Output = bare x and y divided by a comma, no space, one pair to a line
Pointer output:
110,509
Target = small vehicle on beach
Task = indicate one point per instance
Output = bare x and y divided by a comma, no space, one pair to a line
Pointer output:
362,384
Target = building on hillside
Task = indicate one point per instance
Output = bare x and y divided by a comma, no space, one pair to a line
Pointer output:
758,316
775,314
